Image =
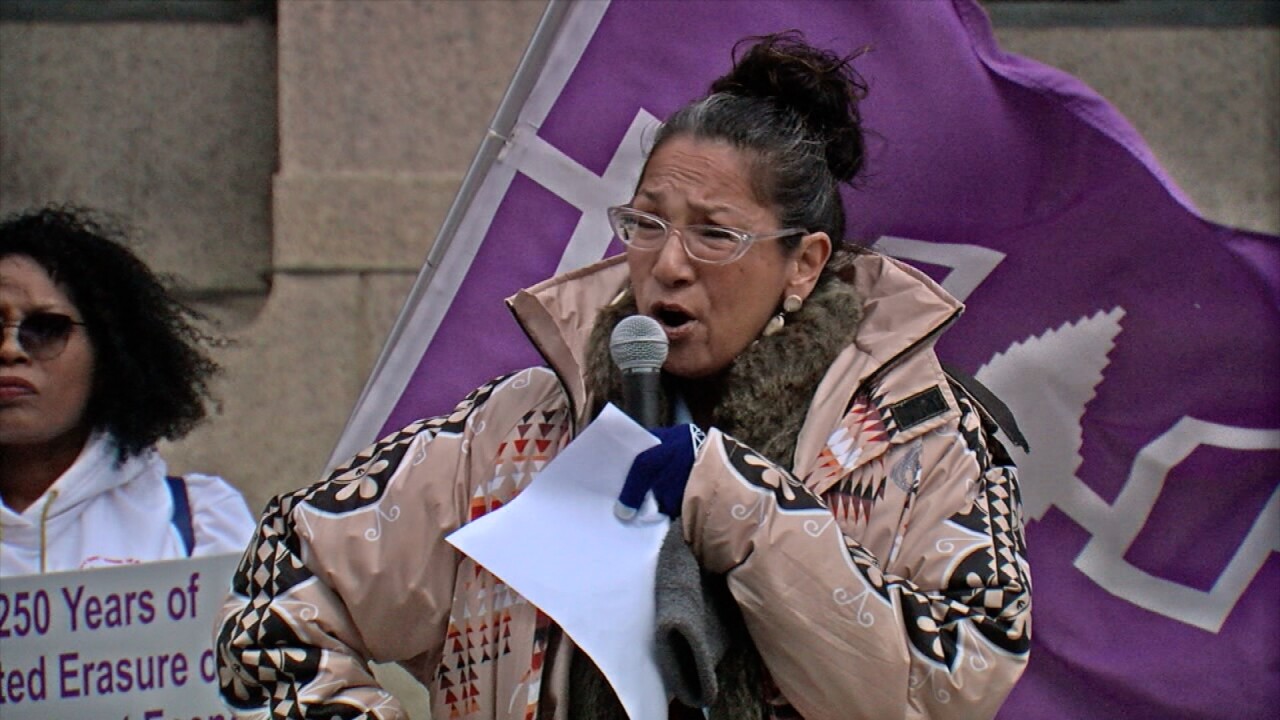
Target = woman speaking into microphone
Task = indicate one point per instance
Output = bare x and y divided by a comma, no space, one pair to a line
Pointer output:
847,495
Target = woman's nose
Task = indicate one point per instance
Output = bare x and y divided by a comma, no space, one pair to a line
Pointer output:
673,265
10,350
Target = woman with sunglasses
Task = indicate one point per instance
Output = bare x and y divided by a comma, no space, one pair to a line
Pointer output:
98,363
856,523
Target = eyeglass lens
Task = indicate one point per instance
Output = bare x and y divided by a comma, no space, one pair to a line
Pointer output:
43,335
705,242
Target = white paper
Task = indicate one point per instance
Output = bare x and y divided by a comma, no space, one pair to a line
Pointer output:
560,546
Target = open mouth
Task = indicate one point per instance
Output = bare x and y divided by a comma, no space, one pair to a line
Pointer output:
672,317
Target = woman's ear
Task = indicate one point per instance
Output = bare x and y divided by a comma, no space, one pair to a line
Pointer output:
808,261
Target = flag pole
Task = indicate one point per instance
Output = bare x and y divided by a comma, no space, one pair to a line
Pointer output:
368,414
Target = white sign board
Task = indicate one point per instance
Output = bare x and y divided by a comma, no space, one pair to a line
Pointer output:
132,642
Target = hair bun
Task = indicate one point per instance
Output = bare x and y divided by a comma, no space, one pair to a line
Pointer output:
821,87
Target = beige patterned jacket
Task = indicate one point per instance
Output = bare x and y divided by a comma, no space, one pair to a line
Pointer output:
884,576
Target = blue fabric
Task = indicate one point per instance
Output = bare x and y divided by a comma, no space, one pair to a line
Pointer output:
663,469
182,512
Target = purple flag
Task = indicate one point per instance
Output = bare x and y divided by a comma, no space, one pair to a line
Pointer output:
1138,344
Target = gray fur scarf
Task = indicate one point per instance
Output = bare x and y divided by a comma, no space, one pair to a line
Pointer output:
763,399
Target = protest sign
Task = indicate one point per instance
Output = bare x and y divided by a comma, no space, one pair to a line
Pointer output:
129,643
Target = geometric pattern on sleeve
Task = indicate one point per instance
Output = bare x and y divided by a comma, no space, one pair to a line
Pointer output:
860,434
995,575
755,469
257,643
362,481
988,587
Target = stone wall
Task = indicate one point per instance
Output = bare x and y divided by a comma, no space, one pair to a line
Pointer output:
1207,101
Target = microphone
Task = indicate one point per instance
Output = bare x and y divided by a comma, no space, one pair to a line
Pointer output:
638,347
690,636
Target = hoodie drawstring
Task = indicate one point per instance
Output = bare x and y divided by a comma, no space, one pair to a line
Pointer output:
44,521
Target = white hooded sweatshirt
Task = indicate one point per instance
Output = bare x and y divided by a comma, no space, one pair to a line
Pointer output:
101,514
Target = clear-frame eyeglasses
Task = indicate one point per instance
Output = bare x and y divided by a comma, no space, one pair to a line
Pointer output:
712,244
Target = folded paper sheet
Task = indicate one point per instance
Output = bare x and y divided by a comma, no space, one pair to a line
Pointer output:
560,546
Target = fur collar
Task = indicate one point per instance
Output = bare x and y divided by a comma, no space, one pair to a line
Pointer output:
765,394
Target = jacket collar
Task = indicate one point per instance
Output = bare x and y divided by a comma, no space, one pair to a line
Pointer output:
558,314
903,311
902,308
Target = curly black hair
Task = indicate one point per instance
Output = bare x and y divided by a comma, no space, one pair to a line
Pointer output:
151,372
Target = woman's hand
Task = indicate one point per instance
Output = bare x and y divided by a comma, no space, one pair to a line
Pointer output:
662,470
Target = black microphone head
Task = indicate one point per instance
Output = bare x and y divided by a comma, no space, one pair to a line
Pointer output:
638,344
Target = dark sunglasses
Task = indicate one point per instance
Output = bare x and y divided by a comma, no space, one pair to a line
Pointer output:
43,335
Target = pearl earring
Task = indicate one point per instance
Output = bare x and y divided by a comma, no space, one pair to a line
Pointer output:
779,321
776,323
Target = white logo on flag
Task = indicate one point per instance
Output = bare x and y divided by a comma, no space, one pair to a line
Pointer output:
970,264
1115,529
1049,396
552,169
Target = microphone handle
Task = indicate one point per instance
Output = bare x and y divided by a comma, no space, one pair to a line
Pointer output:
641,396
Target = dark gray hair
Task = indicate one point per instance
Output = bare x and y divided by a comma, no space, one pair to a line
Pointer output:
789,165
793,109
